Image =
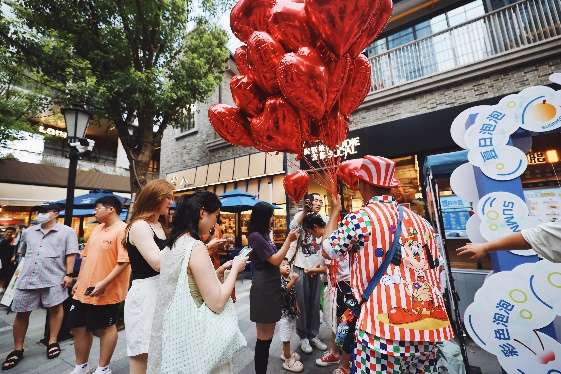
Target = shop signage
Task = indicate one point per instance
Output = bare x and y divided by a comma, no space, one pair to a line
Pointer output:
320,152
52,132
507,312
536,158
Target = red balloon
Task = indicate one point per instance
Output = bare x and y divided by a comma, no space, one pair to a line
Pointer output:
264,54
230,124
296,185
242,62
357,86
289,25
246,95
303,81
334,130
348,171
248,16
378,20
278,128
339,22
338,73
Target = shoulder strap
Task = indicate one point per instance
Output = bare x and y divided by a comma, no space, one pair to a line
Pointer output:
389,255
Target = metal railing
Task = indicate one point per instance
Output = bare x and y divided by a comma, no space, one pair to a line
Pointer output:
513,27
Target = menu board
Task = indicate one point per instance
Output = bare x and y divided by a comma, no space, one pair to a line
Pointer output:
544,203
455,214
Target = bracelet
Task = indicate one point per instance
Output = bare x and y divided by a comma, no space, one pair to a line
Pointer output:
71,275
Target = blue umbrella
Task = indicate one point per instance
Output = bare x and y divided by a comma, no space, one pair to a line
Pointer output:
88,200
88,212
237,201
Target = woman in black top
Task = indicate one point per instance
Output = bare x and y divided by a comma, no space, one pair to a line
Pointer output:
145,238
265,293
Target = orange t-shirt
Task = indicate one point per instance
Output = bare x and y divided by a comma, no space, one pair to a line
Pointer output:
102,253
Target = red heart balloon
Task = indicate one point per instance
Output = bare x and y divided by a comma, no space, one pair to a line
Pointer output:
242,61
289,25
338,73
334,130
248,16
296,185
303,81
230,124
339,22
246,95
357,86
264,54
277,128
378,20
348,171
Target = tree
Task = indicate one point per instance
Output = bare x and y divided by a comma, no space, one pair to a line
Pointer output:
140,64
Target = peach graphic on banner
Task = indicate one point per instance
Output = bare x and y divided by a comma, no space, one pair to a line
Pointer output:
543,111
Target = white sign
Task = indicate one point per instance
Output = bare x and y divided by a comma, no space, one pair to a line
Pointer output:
347,148
462,182
503,213
463,121
507,311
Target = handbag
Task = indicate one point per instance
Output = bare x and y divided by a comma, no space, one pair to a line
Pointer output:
354,307
194,338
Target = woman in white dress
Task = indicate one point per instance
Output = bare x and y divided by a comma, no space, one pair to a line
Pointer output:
194,218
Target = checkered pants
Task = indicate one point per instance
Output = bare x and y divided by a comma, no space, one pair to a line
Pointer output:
376,355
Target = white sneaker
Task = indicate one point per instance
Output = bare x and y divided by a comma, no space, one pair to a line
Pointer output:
305,346
319,344
294,354
102,371
81,369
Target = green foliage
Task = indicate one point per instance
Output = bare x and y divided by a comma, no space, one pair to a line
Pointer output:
127,59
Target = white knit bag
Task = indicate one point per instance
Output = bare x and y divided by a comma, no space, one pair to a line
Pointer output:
194,338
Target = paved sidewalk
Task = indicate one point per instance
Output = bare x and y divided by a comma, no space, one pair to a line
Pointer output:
35,360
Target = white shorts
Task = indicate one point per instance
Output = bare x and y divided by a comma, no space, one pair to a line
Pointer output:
286,326
140,305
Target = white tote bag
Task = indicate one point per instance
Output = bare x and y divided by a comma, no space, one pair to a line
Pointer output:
194,338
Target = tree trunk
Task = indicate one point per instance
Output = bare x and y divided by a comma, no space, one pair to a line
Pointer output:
140,159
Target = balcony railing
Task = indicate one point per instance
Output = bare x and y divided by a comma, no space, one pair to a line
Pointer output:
507,29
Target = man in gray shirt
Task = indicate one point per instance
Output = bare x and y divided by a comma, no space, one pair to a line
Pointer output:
49,251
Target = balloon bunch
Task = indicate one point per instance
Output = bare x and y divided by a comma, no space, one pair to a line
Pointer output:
301,71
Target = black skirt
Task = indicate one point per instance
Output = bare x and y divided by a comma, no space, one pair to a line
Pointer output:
265,295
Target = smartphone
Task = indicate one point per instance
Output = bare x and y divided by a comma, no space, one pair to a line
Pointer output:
89,290
245,251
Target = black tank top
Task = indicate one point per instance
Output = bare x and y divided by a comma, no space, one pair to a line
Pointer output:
140,269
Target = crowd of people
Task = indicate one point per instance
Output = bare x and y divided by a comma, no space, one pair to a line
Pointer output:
383,300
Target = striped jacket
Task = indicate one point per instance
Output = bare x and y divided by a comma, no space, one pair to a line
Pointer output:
407,304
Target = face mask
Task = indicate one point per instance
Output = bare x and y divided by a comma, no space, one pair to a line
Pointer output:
43,218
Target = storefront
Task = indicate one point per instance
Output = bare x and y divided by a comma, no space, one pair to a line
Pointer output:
259,174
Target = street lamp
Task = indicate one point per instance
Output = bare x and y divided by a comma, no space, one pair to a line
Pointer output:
76,119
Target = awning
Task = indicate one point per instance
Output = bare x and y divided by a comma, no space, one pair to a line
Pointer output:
445,163
13,171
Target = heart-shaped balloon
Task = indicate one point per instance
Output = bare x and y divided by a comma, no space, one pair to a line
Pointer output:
311,131
230,124
357,86
248,16
265,54
296,185
277,128
246,95
378,20
348,171
242,61
338,73
289,25
303,81
339,22
334,129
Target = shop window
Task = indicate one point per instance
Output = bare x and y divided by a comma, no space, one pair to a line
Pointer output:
187,120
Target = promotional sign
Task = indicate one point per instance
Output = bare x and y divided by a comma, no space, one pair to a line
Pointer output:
507,312
544,203
455,214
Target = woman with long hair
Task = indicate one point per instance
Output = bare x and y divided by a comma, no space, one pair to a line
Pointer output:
175,346
265,292
145,237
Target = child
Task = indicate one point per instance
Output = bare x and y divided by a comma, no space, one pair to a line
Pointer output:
287,323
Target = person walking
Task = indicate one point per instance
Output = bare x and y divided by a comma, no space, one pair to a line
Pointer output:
145,237
102,285
202,339
265,292
306,259
49,250
401,318
287,323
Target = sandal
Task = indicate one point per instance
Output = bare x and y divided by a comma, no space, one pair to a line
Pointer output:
12,359
293,365
53,351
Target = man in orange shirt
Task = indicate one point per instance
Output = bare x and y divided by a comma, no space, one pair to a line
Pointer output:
102,285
